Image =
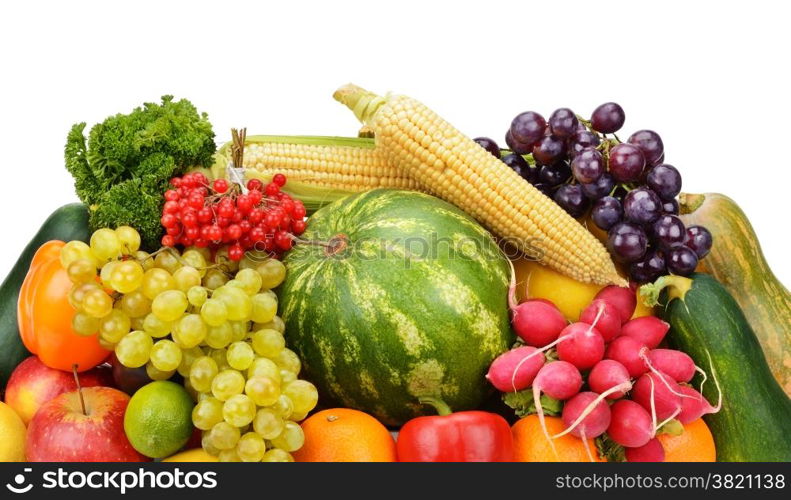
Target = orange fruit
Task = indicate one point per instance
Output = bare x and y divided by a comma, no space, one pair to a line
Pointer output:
531,445
695,444
345,435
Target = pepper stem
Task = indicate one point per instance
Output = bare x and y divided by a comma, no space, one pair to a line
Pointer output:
442,408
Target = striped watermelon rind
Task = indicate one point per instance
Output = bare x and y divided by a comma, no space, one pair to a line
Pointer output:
379,319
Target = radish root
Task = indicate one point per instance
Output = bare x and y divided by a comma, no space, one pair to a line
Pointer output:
540,412
624,386
512,288
659,374
587,446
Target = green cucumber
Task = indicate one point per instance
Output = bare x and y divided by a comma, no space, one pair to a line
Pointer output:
754,424
69,222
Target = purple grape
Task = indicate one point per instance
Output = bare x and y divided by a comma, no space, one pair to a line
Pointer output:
670,207
521,167
544,188
627,242
699,240
682,261
669,232
665,180
489,145
581,140
608,118
563,123
599,188
626,162
649,143
571,199
606,212
642,206
553,175
649,268
528,128
516,146
548,150
588,166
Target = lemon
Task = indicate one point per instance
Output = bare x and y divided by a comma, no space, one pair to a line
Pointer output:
12,430
158,420
194,455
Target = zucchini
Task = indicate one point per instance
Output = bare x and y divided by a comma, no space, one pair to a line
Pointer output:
69,222
736,260
754,424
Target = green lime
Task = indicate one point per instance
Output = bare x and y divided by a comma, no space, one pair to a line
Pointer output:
158,420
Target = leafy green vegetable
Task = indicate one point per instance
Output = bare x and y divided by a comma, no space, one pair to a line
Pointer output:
609,449
123,169
524,404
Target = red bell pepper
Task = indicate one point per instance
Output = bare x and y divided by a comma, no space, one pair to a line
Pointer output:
466,436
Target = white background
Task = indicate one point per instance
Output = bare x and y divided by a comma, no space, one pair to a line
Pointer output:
711,78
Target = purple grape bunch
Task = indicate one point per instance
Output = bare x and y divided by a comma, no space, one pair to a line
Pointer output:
626,188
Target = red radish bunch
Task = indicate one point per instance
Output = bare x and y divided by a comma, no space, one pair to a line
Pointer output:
634,386
262,217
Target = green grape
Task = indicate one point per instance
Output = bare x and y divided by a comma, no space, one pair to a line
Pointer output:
272,272
145,259
197,295
106,273
238,410
236,284
168,260
226,384
214,312
268,343
169,305
224,436
114,326
277,455
283,407
286,377
156,281
85,325
135,304
156,327
107,346
221,258
288,360
155,373
229,456
82,271
75,250
240,355
196,260
202,372
105,244
97,303
186,277
77,294
264,391
218,337
188,356
264,367
189,331
303,395
133,350
207,446
250,280
291,439
127,276
236,301
219,357
214,279
129,238
136,323
207,413
205,251
268,424
276,324
240,330
264,307
166,355
251,448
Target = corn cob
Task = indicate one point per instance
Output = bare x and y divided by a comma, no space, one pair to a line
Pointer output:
319,170
453,167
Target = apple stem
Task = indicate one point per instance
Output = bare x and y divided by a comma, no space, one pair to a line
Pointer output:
79,388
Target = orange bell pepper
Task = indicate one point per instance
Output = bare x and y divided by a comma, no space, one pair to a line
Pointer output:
45,314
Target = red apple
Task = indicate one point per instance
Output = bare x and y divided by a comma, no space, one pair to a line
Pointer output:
61,432
32,384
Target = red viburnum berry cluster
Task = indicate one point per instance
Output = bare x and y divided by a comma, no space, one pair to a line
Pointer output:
212,215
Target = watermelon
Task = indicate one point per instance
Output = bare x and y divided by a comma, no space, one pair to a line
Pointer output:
396,296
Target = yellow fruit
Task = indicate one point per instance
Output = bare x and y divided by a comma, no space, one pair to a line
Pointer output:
12,431
194,455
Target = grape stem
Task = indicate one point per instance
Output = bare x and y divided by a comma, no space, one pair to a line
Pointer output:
79,388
